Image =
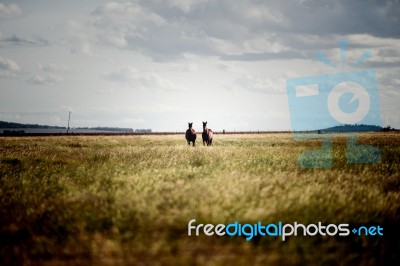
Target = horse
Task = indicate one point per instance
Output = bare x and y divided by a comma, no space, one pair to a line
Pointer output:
207,135
191,134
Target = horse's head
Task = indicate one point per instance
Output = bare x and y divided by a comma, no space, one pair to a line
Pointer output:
204,124
190,125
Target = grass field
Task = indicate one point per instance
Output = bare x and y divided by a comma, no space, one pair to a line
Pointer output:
127,200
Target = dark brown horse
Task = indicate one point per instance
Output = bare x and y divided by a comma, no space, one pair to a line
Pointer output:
207,135
191,134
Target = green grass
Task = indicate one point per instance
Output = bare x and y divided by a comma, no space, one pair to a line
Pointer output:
126,200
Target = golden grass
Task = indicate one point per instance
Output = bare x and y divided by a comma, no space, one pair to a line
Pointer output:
127,200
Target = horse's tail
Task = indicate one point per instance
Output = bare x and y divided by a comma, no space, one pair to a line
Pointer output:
210,136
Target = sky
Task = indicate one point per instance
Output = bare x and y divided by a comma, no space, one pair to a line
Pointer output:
161,64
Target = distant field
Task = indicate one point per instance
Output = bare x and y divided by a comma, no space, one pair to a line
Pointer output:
127,200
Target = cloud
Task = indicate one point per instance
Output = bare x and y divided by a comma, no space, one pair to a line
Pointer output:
8,67
35,41
125,13
10,11
83,47
80,38
113,25
261,85
188,67
140,79
265,56
9,116
246,30
135,27
53,68
342,17
8,64
137,109
107,91
389,82
49,74
45,79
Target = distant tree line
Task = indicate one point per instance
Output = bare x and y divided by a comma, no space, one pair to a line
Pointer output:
143,131
106,129
352,128
4,124
13,132
10,125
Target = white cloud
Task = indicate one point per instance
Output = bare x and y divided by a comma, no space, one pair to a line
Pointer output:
131,121
80,38
181,67
45,79
261,85
264,43
53,68
125,13
184,6
138,109
6,116
140,79
8,65
107,91
112,24
155,29
9,11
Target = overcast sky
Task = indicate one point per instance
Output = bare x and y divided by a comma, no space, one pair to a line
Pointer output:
160,64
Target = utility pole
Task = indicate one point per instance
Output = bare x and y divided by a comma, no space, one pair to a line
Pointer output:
69,118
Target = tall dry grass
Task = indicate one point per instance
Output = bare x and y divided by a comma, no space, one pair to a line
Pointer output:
128,199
